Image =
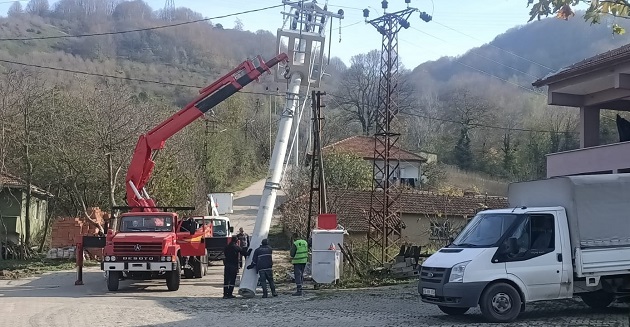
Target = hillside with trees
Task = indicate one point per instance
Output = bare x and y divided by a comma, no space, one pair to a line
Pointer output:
73,107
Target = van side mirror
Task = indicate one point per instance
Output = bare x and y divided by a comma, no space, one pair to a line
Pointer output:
231,229
513,243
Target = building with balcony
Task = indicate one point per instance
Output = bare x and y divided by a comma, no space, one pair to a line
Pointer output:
593,84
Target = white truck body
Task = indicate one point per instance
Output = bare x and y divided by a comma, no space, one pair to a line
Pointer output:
561,237
223,202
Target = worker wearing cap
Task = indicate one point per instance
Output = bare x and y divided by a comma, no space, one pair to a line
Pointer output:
232,253
299,255
263,262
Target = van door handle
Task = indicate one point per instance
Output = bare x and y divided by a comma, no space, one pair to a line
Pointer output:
559,257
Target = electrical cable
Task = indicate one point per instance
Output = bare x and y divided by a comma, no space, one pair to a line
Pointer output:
140,80
473,125
140,29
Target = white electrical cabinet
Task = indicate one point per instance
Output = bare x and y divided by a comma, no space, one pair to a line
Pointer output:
327,259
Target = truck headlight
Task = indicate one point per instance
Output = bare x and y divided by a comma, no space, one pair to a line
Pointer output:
106,258
457,272
112,258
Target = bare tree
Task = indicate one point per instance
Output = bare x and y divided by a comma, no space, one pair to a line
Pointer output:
358,89
38,7
15,9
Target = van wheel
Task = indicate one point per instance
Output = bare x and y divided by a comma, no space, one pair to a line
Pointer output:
173,278
113,280
500,302
598,299
453,311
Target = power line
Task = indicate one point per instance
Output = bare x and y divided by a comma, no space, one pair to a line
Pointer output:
494,46
333,96
118,77
487,126
140,29
476,54
486,73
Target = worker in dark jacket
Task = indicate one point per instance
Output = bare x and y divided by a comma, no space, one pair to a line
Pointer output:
263,262
232,253
299,255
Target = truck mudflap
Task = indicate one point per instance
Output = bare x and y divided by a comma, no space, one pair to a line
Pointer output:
434,288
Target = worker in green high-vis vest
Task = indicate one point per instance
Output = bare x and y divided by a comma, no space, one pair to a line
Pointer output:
299,255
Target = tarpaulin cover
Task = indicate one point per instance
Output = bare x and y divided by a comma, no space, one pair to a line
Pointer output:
597,206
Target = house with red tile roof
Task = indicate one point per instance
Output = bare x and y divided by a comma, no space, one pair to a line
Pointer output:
408,169
426,218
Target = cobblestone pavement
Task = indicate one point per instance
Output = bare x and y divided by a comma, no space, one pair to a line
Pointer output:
53,300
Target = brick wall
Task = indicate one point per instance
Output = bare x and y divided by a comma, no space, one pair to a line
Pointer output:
68,231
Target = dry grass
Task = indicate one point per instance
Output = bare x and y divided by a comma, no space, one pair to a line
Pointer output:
465,180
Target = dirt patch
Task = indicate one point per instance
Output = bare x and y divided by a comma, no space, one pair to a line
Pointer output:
16,269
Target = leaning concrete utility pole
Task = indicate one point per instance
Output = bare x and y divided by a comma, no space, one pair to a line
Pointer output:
303,34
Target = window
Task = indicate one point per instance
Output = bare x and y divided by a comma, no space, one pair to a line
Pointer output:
534,236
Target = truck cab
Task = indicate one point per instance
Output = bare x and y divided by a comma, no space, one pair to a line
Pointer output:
146,245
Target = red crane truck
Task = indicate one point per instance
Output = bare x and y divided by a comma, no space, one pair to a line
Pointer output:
148,241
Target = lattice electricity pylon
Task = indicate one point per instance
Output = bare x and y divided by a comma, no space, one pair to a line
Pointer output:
385,224
169,10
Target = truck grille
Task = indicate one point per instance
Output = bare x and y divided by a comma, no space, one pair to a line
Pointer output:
433,275
137,248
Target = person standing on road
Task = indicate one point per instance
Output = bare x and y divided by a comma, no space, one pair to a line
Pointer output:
299,254
263,262
243,242
232,253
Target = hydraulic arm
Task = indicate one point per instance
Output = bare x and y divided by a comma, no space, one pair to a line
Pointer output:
142,163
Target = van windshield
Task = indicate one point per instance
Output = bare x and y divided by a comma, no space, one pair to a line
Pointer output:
485,230
219,228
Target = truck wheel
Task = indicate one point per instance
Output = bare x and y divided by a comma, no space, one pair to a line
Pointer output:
500,303
113,280
598,299
174,277
198,268
453,311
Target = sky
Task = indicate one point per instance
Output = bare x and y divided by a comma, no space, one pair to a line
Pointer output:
479,21
457,26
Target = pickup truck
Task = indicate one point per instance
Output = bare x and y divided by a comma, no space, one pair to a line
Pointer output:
561,237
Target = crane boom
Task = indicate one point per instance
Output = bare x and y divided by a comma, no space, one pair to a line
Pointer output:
142,163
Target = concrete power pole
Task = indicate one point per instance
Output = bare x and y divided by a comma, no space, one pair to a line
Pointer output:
384,219
304,33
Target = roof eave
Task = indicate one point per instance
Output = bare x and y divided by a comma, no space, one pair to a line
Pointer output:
563,76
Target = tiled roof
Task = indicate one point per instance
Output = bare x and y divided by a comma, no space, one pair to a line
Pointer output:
363,146
353,207
614,56
10,181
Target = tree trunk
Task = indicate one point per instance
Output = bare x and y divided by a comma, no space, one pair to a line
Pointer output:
29,177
